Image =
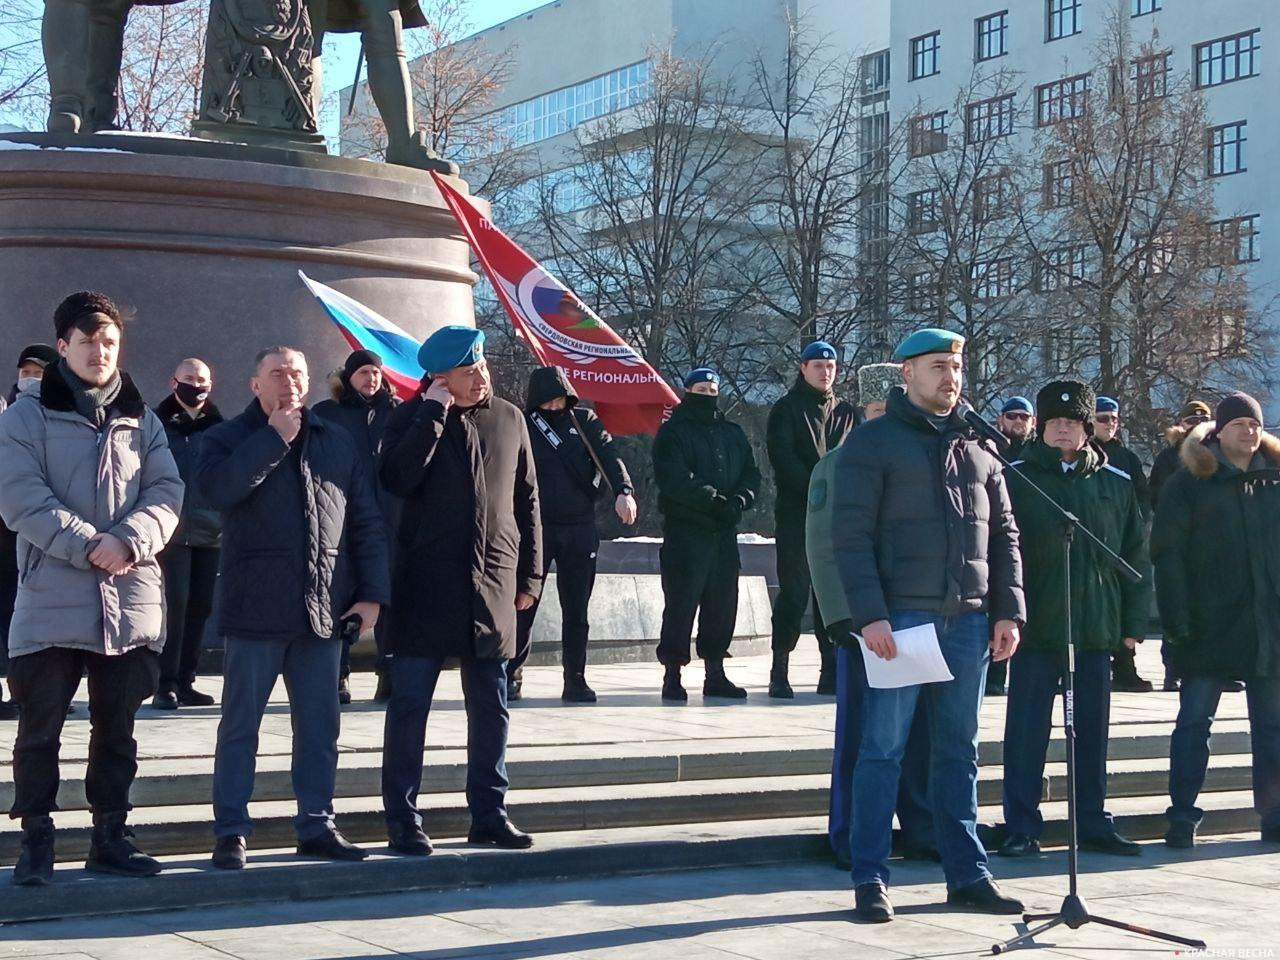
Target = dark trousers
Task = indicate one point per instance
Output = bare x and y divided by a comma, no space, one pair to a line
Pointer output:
1189,747
250,669
43,685
189,577
699,579
573,548
484,693
1034,678
915,815
795,590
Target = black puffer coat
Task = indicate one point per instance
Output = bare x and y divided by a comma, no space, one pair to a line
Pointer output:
921,520
301,527
1216,546
706,471
201,522
803,427
469,537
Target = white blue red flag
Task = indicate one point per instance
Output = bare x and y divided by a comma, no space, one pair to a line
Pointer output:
366,329
560,330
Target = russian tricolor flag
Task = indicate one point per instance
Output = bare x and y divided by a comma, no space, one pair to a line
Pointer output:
366,329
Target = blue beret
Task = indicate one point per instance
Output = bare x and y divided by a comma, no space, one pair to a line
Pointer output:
929,340
701,375
1018,403
451,346
1106,405
818,350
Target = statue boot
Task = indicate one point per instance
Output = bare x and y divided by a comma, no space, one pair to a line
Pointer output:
414,152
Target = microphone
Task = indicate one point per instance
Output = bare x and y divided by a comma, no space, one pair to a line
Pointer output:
985,429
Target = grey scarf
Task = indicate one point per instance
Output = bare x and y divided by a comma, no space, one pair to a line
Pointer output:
91,402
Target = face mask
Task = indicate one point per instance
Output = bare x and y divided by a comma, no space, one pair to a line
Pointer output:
190,395
25,383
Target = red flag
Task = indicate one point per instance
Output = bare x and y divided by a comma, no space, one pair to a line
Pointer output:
561,330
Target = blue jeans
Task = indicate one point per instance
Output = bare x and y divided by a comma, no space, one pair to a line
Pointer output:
484,692
1033,687
249,670
1189,746
952,711
915,816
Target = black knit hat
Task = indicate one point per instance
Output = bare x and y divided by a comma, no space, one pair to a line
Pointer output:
358,359
1065,398
1234,406
41,353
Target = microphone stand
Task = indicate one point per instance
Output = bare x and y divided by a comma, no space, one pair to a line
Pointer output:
1074,912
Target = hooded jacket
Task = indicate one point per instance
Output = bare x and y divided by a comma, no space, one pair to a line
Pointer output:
921,520
201,522
62,482
569,484
1216,546
804,425
1105,606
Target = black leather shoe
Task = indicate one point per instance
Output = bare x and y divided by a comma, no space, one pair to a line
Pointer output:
1171,683
576,690
986,897
1111,843
229,853
164,700
331,845
383,693
780,689
8,710
1019,845
827,683
189,696
672,689
408,839
112,850
344,691
1181,835
501,833
871,903
35,863
1130,683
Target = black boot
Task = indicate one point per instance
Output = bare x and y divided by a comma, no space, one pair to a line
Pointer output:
189,696
827,674
576,689
1124,674
35,863
718,685
383,693
779,683
672,689
344,690
8,710
112,850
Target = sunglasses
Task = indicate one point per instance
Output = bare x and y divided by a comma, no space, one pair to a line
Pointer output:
1107,417
1017,416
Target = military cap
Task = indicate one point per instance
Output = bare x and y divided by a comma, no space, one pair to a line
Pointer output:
929,340
1195,408
1107,405
1020,404
1069,399
701,375
451,346
41,353
875,380
818,350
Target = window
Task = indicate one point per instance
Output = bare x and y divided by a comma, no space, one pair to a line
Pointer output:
924,55
1062,100
922,292
927,134
1227,59
875,73
989,119
1059,184
561,110
875,141
993,36
1226,149
991,197
1237,240
924,211
1150,77
992,278
875,215
1143,7
1063,19
1061,269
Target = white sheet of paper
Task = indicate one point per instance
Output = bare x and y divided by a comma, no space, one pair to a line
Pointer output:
919,660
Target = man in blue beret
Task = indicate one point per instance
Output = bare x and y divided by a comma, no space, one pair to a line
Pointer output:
707,478
1017,421
467,560
917,545
807,423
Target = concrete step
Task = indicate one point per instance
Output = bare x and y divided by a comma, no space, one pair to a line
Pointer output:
276,874
187,829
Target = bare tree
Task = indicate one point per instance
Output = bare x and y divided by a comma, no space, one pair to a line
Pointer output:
23,88
162,67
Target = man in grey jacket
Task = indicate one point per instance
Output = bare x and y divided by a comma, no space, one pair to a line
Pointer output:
89,486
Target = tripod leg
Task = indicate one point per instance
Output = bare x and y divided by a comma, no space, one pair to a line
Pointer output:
1026,938
1148,932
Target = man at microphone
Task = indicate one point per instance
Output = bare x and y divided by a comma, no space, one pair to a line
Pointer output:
924,534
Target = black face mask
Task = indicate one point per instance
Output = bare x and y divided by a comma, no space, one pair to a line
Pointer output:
701,402
190,395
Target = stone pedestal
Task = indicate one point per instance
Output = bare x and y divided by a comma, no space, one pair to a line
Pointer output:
204,241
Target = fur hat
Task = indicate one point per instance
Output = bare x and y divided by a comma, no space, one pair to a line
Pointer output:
1069,399
875,380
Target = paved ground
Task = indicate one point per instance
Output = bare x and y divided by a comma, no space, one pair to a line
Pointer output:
1225,892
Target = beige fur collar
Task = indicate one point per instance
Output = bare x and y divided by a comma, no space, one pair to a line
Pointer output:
1202,462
